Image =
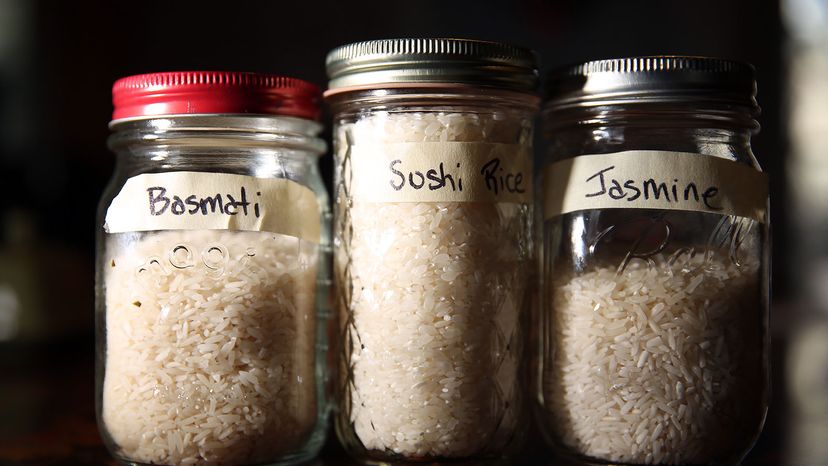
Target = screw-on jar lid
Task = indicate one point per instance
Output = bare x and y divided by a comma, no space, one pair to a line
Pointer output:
423,62
653,80
212,92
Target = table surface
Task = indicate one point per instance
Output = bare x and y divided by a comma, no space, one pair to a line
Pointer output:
47,415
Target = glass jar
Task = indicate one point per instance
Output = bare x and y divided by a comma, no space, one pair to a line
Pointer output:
212,272
432,245
654,257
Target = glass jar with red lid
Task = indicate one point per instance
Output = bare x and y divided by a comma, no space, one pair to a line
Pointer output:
212,272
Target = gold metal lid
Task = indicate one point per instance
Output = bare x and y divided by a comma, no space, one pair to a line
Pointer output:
431,61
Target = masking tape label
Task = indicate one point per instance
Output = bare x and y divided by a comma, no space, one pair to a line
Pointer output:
655,180
440,172
214,201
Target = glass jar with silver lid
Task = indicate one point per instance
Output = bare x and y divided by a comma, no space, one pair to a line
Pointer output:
432,237
654,257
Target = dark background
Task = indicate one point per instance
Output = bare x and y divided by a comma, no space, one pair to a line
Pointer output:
58,60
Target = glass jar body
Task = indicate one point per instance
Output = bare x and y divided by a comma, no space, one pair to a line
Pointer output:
430,295
210,342
653,323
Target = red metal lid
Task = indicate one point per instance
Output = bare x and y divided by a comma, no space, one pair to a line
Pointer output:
188,92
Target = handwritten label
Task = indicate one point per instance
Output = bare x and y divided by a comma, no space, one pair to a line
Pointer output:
441,172
214,201
655,180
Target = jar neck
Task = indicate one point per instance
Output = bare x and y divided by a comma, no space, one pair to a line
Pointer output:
232,143
716,131
432,98
218,131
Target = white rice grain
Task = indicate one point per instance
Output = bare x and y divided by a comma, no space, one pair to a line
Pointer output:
678,380
437,291
215,383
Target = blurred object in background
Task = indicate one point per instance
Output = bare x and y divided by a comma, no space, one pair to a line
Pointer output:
807,361
809,373
17,91
44,285
44,281
807,22
808,385
45,278
15,53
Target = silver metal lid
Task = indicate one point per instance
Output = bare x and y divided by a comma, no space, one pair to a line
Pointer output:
652,80
431,61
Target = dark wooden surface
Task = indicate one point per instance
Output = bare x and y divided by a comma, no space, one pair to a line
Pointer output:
47,414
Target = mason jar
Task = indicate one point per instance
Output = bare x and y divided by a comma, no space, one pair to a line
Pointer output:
432,245
654,257
212,272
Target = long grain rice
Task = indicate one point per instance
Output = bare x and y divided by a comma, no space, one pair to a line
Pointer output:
209,362
432,294
671,389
